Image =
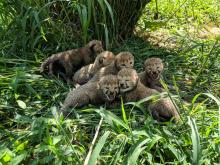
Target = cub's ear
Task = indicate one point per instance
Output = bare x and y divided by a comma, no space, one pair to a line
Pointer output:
92,43
145,63
101,60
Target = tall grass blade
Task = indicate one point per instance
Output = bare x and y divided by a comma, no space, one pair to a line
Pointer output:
106,37
84,21
123,112
155,139
135,151
89,4
88,157
110,118
118,153
110,11
98,148
217,100
195,141
103,10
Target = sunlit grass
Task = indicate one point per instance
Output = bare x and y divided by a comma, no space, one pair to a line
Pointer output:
33,131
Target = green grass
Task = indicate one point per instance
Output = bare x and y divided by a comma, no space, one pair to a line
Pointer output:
33,132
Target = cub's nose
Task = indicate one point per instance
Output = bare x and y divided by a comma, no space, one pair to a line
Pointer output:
154,72
111,93
122,85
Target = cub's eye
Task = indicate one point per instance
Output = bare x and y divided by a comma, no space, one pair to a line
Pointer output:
119,78
158,67
107,88
116,88
131,62
127,80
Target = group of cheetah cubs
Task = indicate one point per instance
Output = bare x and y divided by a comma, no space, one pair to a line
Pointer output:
108,78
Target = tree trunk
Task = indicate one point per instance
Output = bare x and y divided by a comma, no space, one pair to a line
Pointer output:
127,14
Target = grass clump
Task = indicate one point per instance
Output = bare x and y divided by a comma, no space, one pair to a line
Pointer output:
32,130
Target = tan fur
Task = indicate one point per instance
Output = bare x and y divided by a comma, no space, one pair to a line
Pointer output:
73,59
87,72
122,60
133,90
153,68
94,93
163,110
131,87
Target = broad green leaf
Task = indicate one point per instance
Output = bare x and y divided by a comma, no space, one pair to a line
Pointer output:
175,152
155,139
135,151
16,160
110,118
57,139
7,158
41,148
118,153
140,133
21,104
22,119
95,154
21,146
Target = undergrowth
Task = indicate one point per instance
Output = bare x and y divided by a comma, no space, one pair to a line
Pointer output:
33,132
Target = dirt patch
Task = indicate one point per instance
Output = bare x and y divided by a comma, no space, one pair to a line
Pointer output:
209,32
165,39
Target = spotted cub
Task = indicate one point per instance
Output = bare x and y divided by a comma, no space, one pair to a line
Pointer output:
72,60
96,93
133,90
122,60
130,86
87,72
153,68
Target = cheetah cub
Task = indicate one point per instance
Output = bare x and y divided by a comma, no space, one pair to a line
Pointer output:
153,68
96,93
87,72
163,110
130,86
72,60
132,89
122,60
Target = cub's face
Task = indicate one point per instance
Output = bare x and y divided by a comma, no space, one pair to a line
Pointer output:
105,58
154,68
124,60
109,87
96,46
128,79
